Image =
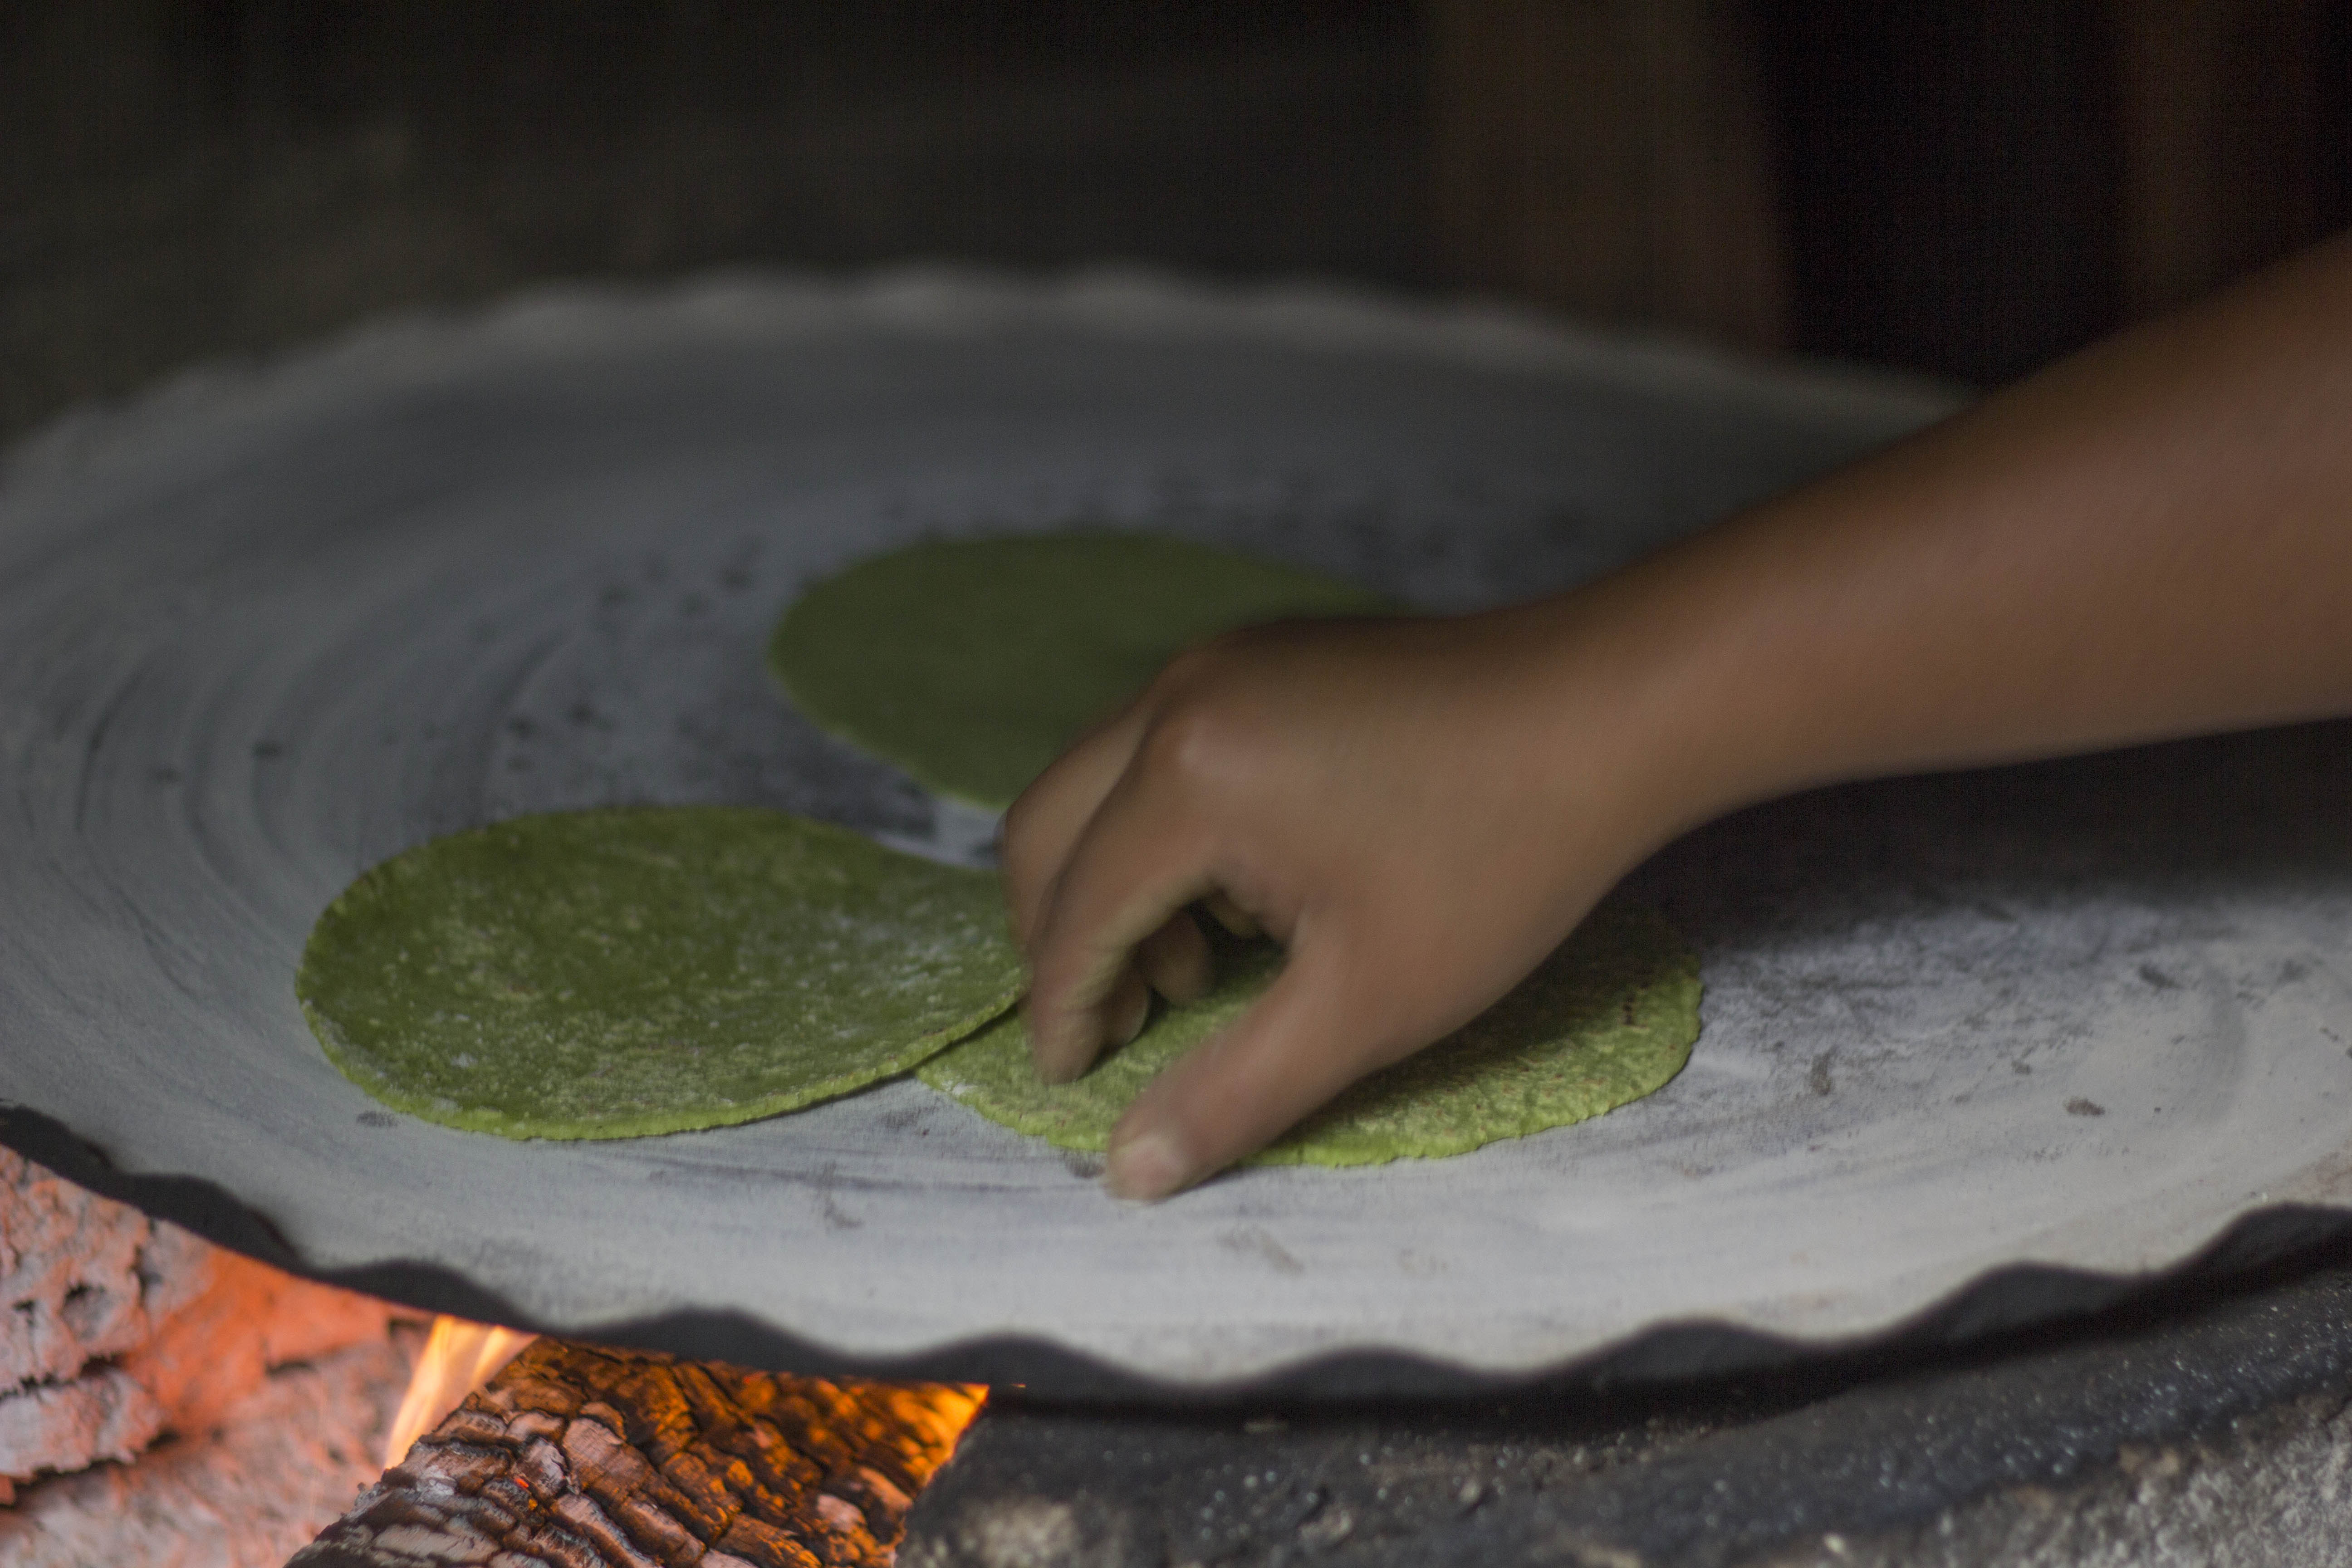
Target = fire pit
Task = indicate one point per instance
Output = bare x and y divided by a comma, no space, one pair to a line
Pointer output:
2202,1421
2199,1424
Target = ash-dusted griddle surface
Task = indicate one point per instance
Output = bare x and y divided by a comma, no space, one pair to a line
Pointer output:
264,630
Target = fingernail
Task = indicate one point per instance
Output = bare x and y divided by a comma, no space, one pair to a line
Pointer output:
1147,1166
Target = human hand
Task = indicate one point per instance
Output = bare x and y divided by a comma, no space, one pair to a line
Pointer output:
2146,541
1418,809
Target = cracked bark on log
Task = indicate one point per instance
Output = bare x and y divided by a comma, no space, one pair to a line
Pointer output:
580,1458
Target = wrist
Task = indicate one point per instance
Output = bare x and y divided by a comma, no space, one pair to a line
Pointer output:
1661,698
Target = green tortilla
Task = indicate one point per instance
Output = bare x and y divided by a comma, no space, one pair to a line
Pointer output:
1608,1018
973,664
612,973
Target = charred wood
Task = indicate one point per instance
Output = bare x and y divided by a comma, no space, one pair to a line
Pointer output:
580,1458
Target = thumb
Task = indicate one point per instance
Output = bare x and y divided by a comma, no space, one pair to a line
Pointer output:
1297,1047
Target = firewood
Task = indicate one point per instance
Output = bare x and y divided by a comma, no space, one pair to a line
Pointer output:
576,1456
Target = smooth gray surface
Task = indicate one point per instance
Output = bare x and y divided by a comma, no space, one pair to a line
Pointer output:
261,630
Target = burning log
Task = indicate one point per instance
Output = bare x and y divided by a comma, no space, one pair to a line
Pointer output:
459,1358
580,1458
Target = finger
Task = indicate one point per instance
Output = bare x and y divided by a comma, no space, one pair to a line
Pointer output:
1042,826
1129,1008
1139,861
1176,960
1124,1012
1301,1045
1232,916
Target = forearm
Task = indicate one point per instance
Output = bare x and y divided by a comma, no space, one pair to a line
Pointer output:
2152,539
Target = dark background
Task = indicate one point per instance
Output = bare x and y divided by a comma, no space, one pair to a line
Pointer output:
1965,189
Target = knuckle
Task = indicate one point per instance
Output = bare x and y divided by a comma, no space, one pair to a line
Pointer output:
1192,743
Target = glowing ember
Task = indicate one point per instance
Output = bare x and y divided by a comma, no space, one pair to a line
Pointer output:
459,1358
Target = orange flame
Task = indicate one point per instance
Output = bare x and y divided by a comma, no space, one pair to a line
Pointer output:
459,1358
